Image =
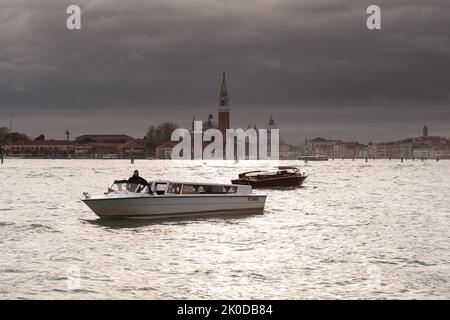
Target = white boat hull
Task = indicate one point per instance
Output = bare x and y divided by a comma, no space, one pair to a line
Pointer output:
158,207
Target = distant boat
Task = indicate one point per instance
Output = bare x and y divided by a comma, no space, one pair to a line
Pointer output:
169,199
284,176
313,158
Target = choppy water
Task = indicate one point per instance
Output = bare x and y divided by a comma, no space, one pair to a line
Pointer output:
356,230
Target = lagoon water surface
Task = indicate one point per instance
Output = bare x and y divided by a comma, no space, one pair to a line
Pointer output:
355,230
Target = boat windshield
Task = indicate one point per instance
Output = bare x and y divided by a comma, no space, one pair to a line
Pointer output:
130,187
289,169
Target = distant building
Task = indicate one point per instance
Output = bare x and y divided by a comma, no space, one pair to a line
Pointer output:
131,149
406,149
412,148
210,123
289,151
321,147
103,138
43,148
422,153
106,146
164,151
431,147
390,150
224,107
284,150
86,146
63,149
440,154
425,131
349,150
223,112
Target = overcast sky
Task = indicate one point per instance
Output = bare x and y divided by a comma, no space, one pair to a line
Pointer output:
312,64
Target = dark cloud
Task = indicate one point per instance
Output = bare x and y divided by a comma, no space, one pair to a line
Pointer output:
312,64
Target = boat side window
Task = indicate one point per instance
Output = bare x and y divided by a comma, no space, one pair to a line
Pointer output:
207,189
189,189
204,189
160,188
194,189
230,189
174,188
217,189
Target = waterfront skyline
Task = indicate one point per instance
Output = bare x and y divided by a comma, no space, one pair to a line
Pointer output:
62,136
313,65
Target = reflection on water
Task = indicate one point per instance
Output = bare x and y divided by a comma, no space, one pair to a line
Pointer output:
355,230
125,223
122,224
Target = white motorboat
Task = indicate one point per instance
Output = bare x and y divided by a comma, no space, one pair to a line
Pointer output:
169,199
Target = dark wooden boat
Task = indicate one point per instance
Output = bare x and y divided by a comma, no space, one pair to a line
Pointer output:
282,177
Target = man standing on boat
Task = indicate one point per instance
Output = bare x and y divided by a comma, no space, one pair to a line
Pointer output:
136,179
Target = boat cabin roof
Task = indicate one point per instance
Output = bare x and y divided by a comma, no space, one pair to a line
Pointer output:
287,168
183,187
274,171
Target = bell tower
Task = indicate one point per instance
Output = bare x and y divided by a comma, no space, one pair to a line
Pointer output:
425,131
224,108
